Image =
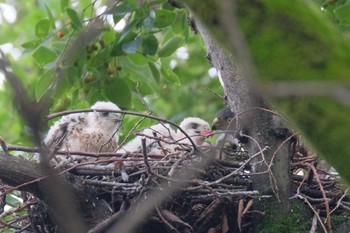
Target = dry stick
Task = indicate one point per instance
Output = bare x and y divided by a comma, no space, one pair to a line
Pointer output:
326,202
315,212
314,223
165,221
339,201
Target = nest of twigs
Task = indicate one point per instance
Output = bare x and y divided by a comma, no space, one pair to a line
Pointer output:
193,193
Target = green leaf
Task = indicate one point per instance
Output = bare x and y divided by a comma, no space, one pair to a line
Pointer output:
150,45
11,200
164,18
148,22
138,59
170,46
342,13
43,83
117,47
52,20
118,92
155,71
131,47
73,15
64,5
120,10
43,56
42,28
31,44
170,75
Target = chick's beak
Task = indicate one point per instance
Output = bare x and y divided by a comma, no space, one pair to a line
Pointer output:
207,133
215,124
118,118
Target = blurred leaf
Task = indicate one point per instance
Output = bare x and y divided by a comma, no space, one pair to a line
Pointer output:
118,92
170,46
108,36
73,15
43,83
148,22
31,44
42,28
43,56
150,45
164,18
117,49
51,18
342,13
120,10
138,59
131,47
64,5
128,29
11,200
169,75
155,71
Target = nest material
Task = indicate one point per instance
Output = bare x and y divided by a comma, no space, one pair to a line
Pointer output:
202,194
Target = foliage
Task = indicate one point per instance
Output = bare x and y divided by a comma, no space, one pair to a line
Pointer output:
294,42
138,66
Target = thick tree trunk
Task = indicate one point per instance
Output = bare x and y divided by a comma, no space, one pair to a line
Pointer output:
272,168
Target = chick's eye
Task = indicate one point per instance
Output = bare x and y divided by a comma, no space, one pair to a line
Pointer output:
104,114
194,126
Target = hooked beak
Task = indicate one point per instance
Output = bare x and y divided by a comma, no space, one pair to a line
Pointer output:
215,124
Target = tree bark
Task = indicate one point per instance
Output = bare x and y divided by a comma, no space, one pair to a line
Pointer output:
75,200
242,98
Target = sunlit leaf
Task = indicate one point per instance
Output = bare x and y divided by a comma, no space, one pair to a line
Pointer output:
131,47
118,92
138,59
170,47
44,55
150,45
164,18
73,15
42,28
11,200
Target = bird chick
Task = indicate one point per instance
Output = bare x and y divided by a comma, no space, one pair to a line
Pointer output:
159,139
92,132
196,128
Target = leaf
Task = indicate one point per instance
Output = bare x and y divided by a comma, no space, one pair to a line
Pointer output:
138,59
155,71
148,22
117,49
164,18
64,5
131,47
73,15
169,75
170,46
52,20
43,56
31,44
11,200
118,92
150,45
120,10
42,28
43,83
342,13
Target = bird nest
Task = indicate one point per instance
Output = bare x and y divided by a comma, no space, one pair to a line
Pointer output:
193,193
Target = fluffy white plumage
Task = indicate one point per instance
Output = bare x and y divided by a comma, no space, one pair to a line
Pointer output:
92,132
162,139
